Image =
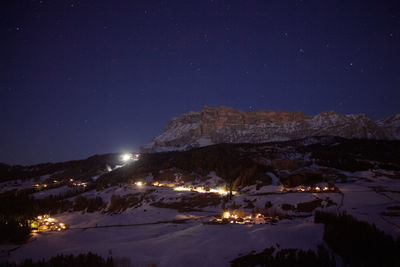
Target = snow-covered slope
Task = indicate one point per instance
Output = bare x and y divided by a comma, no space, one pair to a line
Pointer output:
227,125
169,219
391,126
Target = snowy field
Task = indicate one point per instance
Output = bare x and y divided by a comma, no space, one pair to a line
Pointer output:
147,235
168,244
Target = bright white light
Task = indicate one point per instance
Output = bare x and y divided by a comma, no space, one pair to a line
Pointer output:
126,157
226,215
181,188
139,184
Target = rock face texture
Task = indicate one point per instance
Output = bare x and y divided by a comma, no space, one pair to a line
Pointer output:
228,125
391,127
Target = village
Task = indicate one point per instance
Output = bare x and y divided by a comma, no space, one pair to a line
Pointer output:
240,217
191,188
57,183
201,207
44,223
308,189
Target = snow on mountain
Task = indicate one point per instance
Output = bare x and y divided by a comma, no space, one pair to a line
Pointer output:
228,125
391,126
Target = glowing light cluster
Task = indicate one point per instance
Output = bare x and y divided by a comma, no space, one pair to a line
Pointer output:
226,215
181,188
162,184
239,217
308,189
40,186
198,189
201,189
126,157
84,185
45,223
69,182
220,191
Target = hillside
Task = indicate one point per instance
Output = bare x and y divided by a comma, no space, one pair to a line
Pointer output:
256,197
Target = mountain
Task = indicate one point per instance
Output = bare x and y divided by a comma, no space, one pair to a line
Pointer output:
228,125
391,126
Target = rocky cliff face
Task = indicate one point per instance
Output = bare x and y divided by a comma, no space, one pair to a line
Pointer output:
228,125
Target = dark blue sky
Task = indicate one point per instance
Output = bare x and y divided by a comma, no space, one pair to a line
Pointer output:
84,77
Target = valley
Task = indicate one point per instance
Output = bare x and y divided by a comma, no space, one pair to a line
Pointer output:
171,208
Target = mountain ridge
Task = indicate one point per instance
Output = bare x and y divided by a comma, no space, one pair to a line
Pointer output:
214,125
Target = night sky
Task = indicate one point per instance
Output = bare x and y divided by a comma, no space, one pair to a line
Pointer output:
79,78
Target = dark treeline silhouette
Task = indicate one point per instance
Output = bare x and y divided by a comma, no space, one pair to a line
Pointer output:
358,243
86,260
243,164
355,154
85,168
287,258
17,208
